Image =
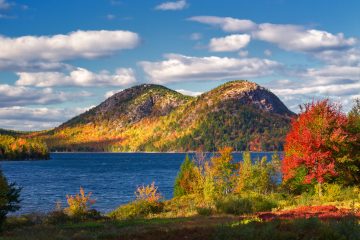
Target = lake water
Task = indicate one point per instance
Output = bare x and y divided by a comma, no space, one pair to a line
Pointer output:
111,177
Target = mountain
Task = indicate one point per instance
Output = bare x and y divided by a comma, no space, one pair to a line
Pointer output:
12,132
150,117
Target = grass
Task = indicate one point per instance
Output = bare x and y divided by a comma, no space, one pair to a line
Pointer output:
198,227
247,216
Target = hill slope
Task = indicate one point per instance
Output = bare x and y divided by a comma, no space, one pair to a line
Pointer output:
154,118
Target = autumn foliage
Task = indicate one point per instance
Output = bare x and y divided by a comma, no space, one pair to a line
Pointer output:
17,148
80,203
148,193
315,142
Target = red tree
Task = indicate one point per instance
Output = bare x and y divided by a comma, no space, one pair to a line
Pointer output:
315,141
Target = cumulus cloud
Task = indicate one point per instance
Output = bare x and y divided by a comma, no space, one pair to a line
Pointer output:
227,24
340,83
112,92
187,68
77,77
24,118
349,57
188,92
79,44
285,36
229,43
172,6
297,38
24,96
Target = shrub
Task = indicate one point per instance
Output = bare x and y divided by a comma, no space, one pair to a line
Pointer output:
9,198
185,205
204,211
57,217
148,193
234,205
146,203
243,205
79,204
137,209
260,176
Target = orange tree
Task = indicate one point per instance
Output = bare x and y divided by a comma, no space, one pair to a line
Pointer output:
314,145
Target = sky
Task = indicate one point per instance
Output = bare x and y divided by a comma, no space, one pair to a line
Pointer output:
60,58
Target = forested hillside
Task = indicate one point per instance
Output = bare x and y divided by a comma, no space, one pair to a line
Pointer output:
150,117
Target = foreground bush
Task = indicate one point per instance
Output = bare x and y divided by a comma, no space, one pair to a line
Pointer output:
79,204
9,198
244,205
61,217
147,202
137,209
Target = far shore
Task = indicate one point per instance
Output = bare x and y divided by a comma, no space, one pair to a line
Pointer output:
167,152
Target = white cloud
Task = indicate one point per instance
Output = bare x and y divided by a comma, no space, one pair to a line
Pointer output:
188,92
4,4
77,77
334,74
79,44
286,36
187,68
172,6
339,83
24,96
112,92
24,118
227,24
297,38
229,43
349,57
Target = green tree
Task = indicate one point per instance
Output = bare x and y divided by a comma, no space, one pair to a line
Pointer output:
186,179
349,164
261,176
223,171
9,198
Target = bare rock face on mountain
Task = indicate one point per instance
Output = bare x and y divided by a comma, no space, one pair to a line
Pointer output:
248,93
131,105
150,117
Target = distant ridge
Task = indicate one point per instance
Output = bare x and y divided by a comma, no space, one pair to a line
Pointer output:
153,118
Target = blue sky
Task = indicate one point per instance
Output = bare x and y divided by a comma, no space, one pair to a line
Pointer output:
58,58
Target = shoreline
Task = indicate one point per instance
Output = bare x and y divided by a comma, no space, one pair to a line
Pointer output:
191,152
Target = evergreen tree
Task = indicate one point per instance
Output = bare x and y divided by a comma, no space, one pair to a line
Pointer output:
186,178
350,164
9,198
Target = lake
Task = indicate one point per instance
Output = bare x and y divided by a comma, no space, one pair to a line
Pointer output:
111,177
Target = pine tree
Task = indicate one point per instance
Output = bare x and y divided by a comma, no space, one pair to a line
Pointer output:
9,198
186,178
